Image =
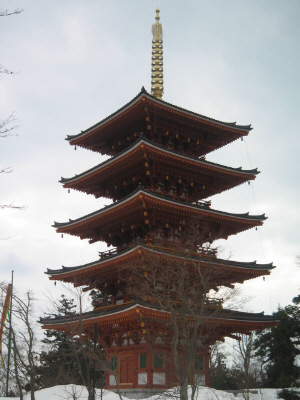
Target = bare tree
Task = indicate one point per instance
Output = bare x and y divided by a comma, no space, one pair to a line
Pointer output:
72,392
247,364
24,342
76,352
8,125
187,290
17,373
7,128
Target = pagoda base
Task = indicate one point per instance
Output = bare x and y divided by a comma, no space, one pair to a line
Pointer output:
142,370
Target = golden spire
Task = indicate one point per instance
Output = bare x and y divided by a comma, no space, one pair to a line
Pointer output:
157,83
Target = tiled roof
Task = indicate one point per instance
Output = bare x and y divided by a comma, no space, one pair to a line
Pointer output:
237,264
222,314
140,190
143,92
143,139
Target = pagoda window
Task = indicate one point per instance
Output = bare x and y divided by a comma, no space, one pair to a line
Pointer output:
199,363
143,361
113,363
158,361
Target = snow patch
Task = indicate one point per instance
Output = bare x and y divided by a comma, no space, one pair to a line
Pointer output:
71,392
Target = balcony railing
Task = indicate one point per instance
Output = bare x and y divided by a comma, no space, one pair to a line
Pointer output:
187,251
163,245
184,197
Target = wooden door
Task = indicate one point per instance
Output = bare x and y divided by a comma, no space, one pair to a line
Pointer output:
126,369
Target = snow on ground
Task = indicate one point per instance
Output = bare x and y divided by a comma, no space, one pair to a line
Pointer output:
70,392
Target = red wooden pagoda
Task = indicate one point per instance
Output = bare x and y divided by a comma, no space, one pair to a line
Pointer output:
159,180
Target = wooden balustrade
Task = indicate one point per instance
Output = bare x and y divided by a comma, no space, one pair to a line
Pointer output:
183,197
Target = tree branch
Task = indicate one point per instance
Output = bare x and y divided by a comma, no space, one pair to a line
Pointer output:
7,13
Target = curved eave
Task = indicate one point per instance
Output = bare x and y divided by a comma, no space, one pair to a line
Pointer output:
112,312
114,261
167,154
134,199
239,130
137,312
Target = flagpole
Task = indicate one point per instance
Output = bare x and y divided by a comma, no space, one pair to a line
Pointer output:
9,333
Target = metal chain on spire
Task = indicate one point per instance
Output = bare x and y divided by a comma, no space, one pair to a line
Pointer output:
157,83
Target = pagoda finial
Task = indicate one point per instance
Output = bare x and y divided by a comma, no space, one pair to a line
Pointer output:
157,83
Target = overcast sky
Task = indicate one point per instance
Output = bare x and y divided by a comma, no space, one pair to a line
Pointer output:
79,61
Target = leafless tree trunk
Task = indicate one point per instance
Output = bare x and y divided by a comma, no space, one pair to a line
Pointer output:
26,354
16,368
245,361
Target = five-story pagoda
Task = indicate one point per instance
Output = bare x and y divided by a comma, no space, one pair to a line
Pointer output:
159,274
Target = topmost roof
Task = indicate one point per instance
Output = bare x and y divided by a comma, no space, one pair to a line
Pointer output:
98,134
